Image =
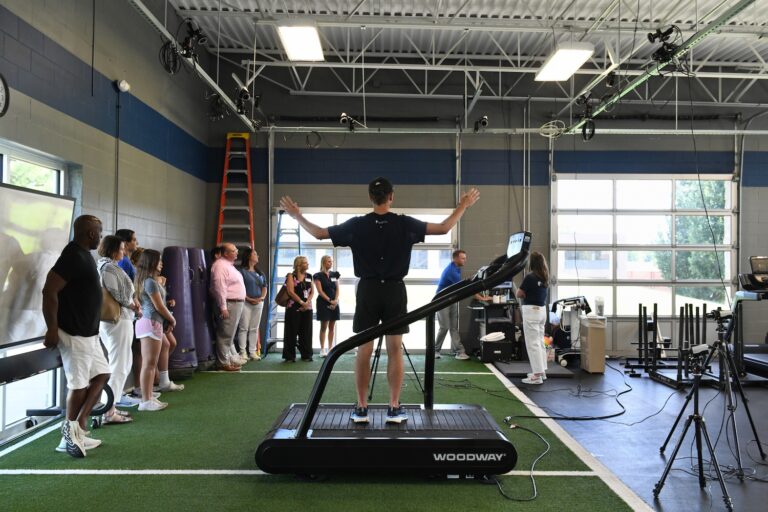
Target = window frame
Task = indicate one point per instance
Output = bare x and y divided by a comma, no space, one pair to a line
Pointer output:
10,152
730,212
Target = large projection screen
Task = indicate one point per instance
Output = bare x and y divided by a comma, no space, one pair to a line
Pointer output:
34,228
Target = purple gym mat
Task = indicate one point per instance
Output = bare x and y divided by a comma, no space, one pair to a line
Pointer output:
203,322
179,287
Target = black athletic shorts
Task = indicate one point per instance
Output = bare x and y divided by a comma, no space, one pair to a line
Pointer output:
379,301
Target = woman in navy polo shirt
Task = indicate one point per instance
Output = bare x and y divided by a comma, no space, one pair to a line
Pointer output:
533,291
327,284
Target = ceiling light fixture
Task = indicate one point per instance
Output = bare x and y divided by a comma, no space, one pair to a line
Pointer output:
562,64
300,40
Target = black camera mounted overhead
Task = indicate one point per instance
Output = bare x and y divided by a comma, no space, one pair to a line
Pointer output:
194,38
666,51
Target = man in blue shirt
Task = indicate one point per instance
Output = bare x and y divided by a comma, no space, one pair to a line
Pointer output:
448,318
128,236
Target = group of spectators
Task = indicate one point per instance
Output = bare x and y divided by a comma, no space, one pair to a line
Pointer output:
239,293
76,294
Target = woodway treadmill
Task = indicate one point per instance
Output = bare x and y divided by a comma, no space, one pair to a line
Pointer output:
437,439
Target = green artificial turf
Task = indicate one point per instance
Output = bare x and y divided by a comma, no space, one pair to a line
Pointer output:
219,419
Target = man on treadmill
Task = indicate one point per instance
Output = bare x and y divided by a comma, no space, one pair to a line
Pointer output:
381,243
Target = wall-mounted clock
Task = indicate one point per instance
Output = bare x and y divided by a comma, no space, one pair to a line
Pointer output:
4,96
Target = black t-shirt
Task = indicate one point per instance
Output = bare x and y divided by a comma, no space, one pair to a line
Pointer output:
80,299
328,283
381,244
535,290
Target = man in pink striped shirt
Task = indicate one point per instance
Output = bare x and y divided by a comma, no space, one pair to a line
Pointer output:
228,292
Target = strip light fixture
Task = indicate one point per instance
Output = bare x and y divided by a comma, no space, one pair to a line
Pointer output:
562,64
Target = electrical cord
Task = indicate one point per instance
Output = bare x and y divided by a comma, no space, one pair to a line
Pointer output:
704,202
533,465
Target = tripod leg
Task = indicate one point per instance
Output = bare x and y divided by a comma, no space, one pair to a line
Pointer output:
375,368
699,458
740,389
657,488
415,373
726,496
679,417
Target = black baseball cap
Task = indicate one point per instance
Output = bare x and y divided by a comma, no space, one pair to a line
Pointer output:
380,186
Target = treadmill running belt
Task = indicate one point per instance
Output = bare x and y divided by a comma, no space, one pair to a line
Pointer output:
333,418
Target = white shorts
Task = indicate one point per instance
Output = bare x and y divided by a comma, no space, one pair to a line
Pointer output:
82,358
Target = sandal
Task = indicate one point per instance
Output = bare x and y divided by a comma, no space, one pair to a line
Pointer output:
117,418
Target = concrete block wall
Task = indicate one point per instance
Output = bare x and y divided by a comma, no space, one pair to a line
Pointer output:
62,107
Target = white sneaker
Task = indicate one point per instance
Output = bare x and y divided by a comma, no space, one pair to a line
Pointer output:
255,356
128,401
152,405
173,387
543,376
462,356
72,439
323,352
533,380
88,443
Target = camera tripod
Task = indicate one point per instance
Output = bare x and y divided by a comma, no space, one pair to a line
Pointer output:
701,431
729,378
375,367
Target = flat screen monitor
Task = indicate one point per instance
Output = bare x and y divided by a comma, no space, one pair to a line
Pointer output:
518,242
34,228
759,264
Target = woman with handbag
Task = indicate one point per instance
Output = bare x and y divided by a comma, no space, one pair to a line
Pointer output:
298,312
116,326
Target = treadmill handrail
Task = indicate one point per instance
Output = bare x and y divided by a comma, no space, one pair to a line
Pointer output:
511,266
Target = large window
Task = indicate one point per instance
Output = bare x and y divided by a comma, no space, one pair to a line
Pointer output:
428,260
664,240
27,169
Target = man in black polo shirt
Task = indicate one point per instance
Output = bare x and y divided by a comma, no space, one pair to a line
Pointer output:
381,244
72,309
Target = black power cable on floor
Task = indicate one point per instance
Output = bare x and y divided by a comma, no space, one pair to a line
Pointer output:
533,466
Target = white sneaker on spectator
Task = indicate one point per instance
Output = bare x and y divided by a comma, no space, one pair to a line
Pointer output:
128,401
173,387
255,356
152,405
73,440
462,356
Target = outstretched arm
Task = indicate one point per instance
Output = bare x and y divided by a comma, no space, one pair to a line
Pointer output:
292,209
467,199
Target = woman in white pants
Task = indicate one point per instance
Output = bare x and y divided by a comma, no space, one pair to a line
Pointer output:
255,292
533,291
118,336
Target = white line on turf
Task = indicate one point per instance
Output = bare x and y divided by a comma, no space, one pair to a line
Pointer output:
605,474
31,438
196,472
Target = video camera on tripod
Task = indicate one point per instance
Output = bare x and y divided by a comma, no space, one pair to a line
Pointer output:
720,316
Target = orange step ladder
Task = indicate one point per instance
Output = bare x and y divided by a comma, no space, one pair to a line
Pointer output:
236,203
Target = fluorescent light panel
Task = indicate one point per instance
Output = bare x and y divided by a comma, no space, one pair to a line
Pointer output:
301,43
562,64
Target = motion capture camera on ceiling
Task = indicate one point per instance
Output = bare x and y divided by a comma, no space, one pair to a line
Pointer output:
481,123
666,51
344,119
